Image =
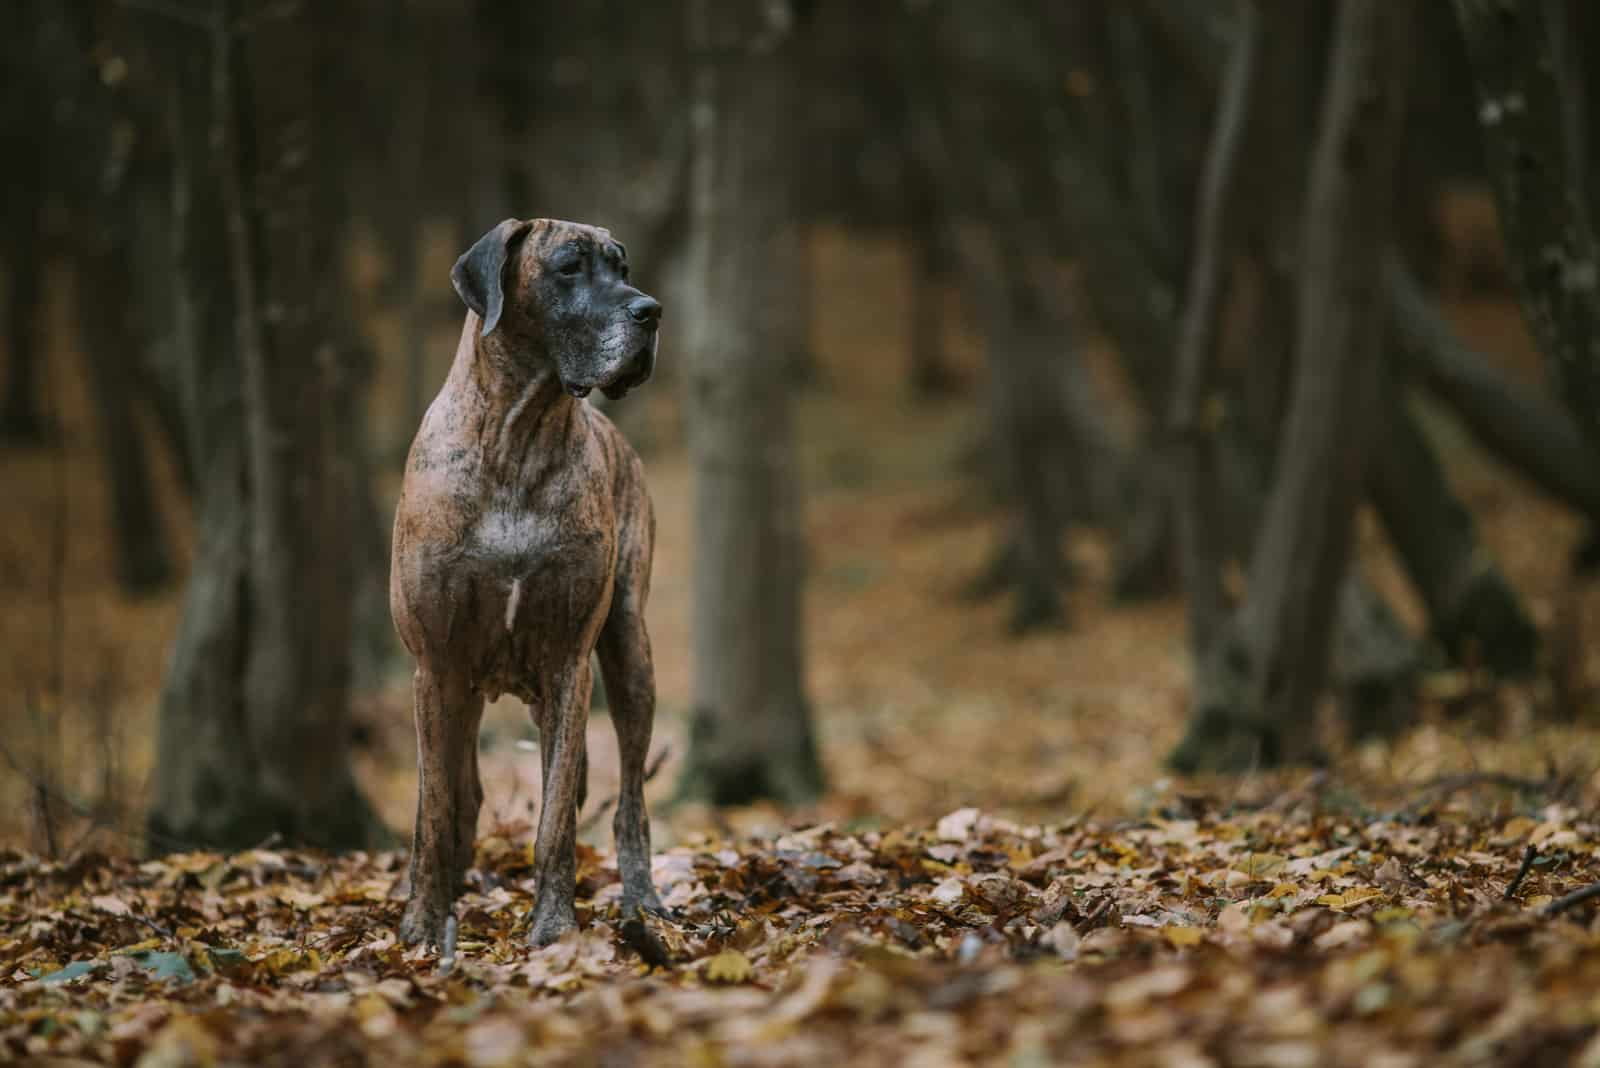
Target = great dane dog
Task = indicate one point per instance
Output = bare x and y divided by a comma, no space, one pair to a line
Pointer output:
522,545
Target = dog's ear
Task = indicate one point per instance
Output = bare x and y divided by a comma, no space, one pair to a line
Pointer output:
479,274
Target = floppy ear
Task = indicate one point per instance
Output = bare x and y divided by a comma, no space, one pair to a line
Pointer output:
477,275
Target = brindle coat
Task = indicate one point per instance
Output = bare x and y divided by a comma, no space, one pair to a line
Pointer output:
522,544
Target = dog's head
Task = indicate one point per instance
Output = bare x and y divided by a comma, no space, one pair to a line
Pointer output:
562,289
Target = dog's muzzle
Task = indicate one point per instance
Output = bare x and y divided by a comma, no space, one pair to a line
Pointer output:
636,372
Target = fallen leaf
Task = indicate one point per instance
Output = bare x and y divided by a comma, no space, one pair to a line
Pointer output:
729,966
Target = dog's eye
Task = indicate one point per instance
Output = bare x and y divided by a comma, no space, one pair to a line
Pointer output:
570,268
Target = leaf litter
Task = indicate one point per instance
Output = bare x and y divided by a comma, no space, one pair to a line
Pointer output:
1271,937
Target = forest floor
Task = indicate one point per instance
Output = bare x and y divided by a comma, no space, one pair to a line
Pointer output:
1001,872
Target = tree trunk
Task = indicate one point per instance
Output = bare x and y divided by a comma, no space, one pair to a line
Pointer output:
1523,106
1375,662
1375,659
750,735
89,154
21,420
1148,135
1256,696
931,375
1518,423
254,726
1201,532
1025,430
111,347
1274,182
1474,611
24,136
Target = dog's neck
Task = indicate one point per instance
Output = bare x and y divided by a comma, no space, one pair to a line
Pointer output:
519,401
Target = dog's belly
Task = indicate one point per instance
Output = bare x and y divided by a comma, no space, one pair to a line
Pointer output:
540,589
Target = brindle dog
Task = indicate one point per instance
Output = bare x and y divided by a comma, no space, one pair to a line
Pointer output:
522,544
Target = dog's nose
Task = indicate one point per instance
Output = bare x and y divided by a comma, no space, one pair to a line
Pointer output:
645,310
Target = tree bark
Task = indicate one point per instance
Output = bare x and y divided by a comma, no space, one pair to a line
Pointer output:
254,725
1025,431
1148,135
750,733
931,374
144,564
1255,699
1474,611
22,422
1517,422
24,135
1523,105
89,154
1193,428
1056,454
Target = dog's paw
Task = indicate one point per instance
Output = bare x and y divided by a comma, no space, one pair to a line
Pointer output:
635,905
422,924
548,930
553,916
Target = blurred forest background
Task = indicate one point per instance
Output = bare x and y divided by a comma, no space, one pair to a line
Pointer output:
1113,388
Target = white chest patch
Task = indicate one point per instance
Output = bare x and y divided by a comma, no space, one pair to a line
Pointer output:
513,599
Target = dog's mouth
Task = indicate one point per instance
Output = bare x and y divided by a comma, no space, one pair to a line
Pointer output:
622,377
636,371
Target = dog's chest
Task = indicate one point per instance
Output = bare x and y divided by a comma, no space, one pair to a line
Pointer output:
563,544
541,581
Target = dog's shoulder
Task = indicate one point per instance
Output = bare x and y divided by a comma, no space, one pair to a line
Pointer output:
630,493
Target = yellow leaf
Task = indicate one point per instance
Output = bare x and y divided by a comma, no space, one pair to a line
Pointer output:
1284,890
729,966
296,898
1183,937
1518,827
1393,915
1350,898
1262,865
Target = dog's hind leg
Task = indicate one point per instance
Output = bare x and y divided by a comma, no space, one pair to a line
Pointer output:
447,714
563,726
624,650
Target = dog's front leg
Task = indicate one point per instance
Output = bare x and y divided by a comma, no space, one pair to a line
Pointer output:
563,723
447,713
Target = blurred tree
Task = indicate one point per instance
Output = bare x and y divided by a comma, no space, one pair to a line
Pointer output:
24,133
1474,612
1375,658
1530,109
750,732
1055,454
1196,404
254,723
1520,423
1256,692
91,150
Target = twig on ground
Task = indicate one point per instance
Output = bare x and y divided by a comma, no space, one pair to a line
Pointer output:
650,772
1437,790
1529,855
154,926
271,841
84,812
1577,897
